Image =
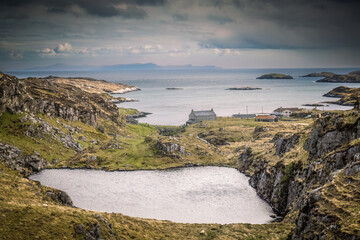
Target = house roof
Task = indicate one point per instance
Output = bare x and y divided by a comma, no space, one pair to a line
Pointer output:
244,115
281,109
204,113
265,117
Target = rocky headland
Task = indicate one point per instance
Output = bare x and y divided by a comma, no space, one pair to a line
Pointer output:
352,77
348,96
308,170
275,76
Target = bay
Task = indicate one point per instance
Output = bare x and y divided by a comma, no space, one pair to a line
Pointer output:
206,89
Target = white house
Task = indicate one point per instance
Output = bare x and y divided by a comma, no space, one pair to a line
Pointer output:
285,112
203,115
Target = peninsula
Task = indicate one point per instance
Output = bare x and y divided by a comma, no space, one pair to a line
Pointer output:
352,77
348,96
275,76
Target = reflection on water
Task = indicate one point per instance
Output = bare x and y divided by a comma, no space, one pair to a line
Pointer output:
188,195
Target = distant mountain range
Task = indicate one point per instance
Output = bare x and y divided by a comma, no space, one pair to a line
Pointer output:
134,66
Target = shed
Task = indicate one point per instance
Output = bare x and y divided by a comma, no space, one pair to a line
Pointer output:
266,118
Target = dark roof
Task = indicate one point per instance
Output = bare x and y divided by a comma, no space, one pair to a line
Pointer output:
265,117
291,109
204,113
244,115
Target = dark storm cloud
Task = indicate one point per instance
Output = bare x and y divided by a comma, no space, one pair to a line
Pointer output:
291,24
103,8
220,19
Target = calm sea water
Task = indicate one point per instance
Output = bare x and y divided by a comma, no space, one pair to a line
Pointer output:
205,89
187,195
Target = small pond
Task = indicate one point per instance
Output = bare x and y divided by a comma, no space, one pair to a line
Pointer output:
186,195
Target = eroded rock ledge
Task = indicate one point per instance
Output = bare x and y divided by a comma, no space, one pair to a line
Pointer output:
320,191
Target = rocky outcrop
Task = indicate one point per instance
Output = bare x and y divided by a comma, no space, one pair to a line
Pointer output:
330,133
321,212
16,160
299,186
36,95
60,197
95,230
283,142
170,148
38,128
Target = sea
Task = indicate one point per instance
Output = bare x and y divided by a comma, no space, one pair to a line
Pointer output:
205,89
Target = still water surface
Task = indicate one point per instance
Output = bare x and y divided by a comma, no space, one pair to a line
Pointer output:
187,195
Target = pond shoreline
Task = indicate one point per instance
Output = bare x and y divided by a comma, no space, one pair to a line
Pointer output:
199,192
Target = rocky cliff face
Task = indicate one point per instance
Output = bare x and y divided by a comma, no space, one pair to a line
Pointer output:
333,153
54,99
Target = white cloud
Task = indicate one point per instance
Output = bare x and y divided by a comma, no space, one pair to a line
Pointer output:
47,52
61,48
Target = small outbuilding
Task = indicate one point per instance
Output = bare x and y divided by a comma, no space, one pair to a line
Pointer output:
203,115
266,118
285,112
244,116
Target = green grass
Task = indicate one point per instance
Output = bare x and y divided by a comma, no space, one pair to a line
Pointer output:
12,132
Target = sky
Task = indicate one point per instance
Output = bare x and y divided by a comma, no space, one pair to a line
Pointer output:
224,33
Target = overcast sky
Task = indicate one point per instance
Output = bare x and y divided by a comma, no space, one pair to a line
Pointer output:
225,33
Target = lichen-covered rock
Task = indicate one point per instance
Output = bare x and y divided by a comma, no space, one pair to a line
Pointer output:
283,142
170,147
38,128
60,196
13,157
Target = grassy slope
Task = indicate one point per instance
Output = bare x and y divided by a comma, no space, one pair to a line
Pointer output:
341,199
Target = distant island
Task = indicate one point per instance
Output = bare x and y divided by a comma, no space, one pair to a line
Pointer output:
348,96
243,88
275,76
174,88
352,77
322,74
314,105
133,66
